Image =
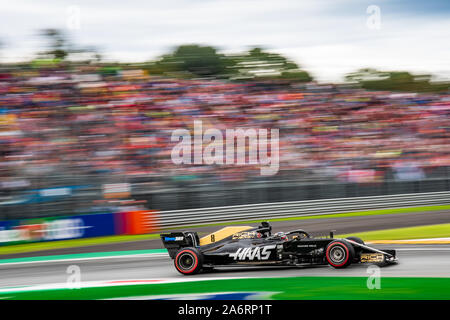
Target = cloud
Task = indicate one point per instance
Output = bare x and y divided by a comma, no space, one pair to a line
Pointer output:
328,38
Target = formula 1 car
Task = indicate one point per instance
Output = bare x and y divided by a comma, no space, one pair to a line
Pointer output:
257,246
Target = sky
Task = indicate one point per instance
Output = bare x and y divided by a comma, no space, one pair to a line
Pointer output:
328,38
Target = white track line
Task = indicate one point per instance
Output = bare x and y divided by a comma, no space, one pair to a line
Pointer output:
143,255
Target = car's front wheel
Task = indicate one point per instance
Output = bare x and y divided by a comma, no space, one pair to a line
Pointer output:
188,261
356,239
339,253
358,249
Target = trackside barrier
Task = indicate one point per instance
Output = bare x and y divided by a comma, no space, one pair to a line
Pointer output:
56,228
175,218
76,227
136,222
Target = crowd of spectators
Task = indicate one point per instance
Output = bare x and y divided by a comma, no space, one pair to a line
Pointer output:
81,125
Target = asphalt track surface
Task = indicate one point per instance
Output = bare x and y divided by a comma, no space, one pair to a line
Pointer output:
414,261
317,227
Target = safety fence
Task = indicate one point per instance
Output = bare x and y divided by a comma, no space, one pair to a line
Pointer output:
87,195
174,218
147,221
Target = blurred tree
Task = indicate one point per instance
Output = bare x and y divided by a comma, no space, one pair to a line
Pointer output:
367,74
98,56
88,54
296,75
261,64
58,47
195,59
166,64
206,61
372,79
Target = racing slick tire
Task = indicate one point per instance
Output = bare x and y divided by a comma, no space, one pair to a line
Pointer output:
356,239
339,254
188,261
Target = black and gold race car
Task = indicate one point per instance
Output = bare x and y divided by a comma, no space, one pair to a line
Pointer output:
246,245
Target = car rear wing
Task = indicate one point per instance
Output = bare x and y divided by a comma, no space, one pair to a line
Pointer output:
174,241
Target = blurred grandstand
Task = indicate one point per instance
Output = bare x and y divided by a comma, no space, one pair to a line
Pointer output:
67,133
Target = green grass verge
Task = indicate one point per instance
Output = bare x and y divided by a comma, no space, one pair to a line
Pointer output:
336,215
40,246
292,288
422,232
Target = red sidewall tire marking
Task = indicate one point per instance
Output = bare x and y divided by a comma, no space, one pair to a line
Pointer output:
193,268
328,252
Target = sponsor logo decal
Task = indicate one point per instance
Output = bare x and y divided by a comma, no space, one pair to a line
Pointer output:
173,238
255,253
372,257
246,235
48,230
206,296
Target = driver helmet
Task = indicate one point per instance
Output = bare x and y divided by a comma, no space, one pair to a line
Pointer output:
281,235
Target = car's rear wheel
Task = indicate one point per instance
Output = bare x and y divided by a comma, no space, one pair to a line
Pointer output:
188,261
340,254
